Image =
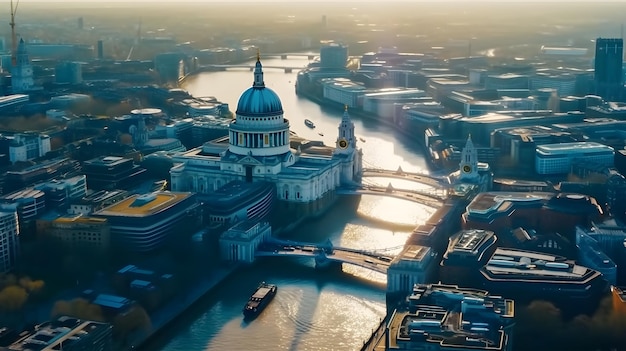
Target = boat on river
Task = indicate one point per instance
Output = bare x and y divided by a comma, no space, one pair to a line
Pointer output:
261,297
309,123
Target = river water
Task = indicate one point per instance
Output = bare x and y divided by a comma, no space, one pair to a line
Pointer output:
314,309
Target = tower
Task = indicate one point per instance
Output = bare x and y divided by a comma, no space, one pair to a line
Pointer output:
469,162
22,73
346,142
345,148
608,67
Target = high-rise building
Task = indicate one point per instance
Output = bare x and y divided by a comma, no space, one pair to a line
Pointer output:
9,240
608,67
68,73
333,56
100,49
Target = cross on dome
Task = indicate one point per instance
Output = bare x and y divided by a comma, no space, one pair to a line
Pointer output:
258,72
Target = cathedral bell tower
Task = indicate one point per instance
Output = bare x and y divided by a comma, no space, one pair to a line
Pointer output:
346,150
346,142
469,162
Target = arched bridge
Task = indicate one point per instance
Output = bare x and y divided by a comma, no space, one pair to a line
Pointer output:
430,197
400,174
325,253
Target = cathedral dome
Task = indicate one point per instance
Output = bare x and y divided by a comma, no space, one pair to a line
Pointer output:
259,100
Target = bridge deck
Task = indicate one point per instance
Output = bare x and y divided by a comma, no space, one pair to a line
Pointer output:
369,260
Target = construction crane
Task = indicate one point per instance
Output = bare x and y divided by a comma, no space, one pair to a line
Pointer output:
13,38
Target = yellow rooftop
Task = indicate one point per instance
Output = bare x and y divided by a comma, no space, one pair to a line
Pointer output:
144,205
80,219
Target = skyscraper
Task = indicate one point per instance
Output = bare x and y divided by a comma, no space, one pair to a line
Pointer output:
608,67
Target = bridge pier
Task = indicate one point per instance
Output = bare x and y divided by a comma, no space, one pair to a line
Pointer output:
311,57
283,57
288,69
322,262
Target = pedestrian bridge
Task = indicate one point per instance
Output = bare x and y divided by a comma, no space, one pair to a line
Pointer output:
326,253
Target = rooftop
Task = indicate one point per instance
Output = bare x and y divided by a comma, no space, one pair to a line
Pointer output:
454,317
414,252
502,201
144,205
57,334
107,161
508,263
569,148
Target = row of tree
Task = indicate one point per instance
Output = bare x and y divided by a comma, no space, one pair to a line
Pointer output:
14,291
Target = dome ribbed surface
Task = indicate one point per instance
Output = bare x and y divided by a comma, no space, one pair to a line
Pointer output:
259,101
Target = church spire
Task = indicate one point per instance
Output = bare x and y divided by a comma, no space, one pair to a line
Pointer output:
346,116
469,161
258,72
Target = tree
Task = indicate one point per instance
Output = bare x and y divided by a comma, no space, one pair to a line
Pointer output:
12,298
7,280
78,308
135,319
31,286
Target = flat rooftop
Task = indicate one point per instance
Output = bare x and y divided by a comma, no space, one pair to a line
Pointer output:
528,264
144,205
572,148
445,316
501,201
55,335
414,252
470,240
107,161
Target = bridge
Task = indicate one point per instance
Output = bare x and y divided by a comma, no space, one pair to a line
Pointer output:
422,178
285,55
287,69
430,197
326,253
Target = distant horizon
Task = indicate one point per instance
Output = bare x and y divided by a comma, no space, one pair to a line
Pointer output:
317,1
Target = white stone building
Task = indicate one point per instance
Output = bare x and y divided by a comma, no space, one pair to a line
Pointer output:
260,147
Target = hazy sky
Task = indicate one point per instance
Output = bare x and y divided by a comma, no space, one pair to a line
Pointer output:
333,1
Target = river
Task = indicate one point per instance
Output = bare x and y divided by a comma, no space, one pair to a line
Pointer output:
313,309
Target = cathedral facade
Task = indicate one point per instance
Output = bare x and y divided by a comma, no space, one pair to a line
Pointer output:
260,147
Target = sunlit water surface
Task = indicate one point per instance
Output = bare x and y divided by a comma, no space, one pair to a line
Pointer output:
313,309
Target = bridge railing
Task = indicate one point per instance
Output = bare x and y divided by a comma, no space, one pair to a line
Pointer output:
328,243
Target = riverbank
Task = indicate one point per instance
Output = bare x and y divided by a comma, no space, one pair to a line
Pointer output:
176,307
405,133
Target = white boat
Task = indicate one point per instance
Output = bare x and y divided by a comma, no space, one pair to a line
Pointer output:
362,140
309,123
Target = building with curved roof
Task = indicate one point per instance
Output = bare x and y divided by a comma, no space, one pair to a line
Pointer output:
143,223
